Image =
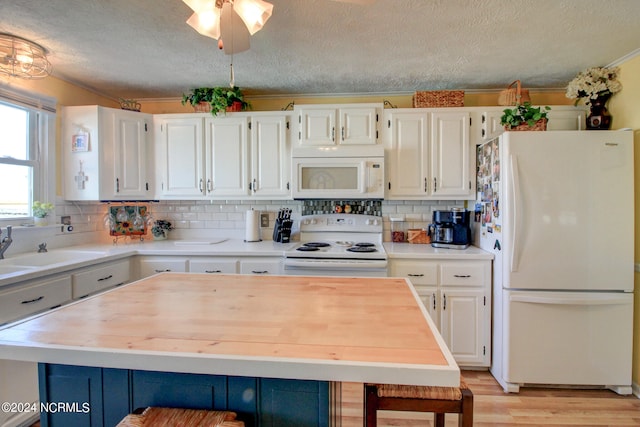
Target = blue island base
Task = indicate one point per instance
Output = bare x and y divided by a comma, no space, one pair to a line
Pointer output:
101,397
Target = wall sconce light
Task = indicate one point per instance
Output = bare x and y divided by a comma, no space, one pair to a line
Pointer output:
23,58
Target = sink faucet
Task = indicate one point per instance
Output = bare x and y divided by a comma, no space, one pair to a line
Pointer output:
6,242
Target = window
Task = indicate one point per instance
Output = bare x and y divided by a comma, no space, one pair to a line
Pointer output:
25,135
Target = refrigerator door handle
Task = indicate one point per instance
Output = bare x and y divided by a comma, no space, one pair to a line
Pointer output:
592,299
516,213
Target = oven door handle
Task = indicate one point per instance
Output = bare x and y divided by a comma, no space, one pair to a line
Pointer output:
335,264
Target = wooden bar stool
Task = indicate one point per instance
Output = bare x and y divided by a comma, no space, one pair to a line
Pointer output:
172,417
439,400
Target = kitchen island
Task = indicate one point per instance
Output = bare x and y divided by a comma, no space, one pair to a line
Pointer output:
272,343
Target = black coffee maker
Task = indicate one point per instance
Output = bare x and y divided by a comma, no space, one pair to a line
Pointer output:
451,229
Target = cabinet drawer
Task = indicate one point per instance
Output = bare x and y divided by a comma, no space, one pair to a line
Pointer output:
87,282
467,274
33,298
261,267
150,266
213,266
419,273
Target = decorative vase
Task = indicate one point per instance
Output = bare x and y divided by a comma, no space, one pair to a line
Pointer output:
599,118
40,221
162,235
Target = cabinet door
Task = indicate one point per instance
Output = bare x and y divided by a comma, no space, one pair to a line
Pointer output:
462,324
491,127
450,161
358,125
227,157
566,119
179,156
407,155
429,296
317,126
293,403
270,157
211,265
130,155
261,266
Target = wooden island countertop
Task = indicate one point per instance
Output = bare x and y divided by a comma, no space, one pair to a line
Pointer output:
298,327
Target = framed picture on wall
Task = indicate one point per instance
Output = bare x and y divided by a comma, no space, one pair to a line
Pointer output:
80,142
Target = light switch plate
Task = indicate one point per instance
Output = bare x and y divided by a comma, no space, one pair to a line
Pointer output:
264,220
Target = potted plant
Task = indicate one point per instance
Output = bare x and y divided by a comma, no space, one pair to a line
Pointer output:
525,117
218,99
160,229
40,211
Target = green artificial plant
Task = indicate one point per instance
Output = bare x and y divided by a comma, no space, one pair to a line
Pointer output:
218,97
523,113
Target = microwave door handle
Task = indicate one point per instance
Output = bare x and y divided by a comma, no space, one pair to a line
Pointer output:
364,177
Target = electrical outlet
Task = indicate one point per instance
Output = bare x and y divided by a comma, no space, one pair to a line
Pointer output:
264,220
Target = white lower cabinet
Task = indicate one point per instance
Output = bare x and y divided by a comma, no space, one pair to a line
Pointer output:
98,278
23,300
150,265
457,296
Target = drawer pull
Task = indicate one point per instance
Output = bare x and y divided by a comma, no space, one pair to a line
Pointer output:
415,275
213,271
31,301
162,271
462,276
105,278
260,271
433,298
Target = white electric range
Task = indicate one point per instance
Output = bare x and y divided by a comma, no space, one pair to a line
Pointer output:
338,245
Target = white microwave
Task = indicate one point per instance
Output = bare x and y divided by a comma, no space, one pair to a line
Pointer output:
332,175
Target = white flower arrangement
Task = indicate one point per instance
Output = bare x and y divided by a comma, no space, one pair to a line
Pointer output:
594,82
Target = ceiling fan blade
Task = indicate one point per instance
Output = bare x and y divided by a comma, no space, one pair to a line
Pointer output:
233,32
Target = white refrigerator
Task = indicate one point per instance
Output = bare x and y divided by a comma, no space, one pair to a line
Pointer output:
557,210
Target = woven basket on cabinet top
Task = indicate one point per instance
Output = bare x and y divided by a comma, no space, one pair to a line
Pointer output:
438,98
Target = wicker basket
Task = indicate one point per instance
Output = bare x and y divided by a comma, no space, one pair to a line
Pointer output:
539,126
514,96
438,98
418,235
202,107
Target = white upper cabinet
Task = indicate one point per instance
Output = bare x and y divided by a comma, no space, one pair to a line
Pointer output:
105,154
236,156
428,154
323,125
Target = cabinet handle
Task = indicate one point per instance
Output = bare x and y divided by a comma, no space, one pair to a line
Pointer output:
117,185
31,301
425,185
415,275
342,131
444,301
200,185
213,271
255,184
260,271
209,186
462,276
433,298
435,184
333,134
105,278
483,133
162,271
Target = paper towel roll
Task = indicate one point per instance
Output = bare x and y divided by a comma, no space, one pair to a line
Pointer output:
252,231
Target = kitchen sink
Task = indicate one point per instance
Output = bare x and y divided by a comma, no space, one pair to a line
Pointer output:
53,257
10,269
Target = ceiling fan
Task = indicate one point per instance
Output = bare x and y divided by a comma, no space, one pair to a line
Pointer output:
231,22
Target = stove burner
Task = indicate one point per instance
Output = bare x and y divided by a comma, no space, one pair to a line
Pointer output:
361,249
364,244
316,244
307,248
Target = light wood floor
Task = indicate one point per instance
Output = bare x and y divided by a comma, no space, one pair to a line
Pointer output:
493,407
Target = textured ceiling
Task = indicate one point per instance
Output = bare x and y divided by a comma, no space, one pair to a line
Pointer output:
144,49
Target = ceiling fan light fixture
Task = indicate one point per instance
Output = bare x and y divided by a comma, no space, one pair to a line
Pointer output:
254,13
22,58
207,22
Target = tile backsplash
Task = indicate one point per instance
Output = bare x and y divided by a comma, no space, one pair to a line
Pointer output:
228,217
